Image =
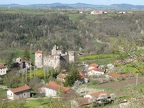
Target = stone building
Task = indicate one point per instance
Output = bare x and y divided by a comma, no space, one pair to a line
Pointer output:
38,59
56,60
22,92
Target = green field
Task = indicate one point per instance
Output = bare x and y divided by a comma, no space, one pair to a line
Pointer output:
74,16
99,56
2,93
43,102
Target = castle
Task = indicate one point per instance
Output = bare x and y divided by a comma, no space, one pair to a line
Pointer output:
56,60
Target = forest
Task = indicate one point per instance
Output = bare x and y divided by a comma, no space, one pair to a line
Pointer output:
95,34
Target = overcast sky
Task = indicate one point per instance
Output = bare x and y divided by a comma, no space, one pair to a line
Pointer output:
96,2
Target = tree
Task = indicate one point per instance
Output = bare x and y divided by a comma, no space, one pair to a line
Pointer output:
72,76
26,55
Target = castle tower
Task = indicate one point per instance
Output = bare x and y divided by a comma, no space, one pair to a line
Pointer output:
57,62
38,59
71,56
54,50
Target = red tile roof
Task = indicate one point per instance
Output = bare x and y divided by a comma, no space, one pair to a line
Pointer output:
83,101
96,69
39,51
128,75
99,93
2,65
20,89
94,65
56,87
113,74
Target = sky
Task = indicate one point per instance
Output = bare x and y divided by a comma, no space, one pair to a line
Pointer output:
96,2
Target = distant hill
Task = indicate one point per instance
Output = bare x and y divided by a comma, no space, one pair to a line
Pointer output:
79,6
128,6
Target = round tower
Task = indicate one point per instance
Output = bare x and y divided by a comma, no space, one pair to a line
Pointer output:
71,56
54,50
38,59
57,61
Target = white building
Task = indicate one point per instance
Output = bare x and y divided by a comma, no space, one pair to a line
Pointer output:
19,93
96,72
96,12
3,69
98,95
52,89
18,60
93,70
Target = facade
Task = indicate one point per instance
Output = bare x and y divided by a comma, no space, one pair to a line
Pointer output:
19,93
38,59
96,72
100,97
93,70
71,56
3,69
52,89
56,60
96,12
22,64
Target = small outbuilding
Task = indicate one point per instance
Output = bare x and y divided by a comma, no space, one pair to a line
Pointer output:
22,92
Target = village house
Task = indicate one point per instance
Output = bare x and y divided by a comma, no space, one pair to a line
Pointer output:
115,76
22,92
100,97
21,64
56,60
122,12
93,70
70,94
52,89
94,65
96,12
3,69
83,77
81,11
96,72
80,102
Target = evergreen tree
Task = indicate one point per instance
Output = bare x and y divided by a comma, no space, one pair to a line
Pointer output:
26,55
72,76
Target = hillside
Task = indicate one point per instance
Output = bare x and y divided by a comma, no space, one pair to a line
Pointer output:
42,28
78,6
